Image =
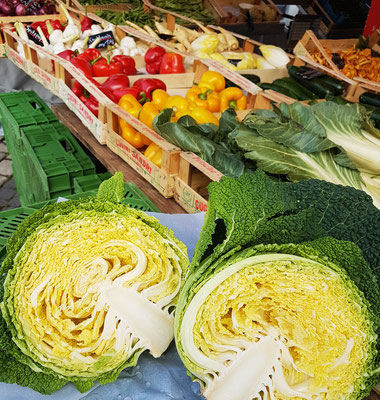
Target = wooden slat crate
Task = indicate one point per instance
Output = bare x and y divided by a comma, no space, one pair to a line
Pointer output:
75,4
27,18
310,43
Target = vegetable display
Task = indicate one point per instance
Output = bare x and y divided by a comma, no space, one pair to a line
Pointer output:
279,301
20,8
77,278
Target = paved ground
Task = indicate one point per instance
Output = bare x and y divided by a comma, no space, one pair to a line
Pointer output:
8,192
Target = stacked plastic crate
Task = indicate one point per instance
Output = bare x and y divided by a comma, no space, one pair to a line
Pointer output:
45,156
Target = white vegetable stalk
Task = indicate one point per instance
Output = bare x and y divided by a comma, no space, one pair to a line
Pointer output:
46,45
275,55
55,35
71,29
80,45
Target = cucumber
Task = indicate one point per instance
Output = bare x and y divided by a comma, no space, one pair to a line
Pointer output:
335,85
300,92
277,88
371,99
318,88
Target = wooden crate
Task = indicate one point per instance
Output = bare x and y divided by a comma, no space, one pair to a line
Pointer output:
75,4
310,43
97,125
314,8
27,18
161,178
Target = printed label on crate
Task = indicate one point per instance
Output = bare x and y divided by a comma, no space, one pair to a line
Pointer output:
16,59
82,112
187,198
105,39
46,79
154,175
33,35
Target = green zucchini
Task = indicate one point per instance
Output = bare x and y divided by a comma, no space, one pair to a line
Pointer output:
277,88
252,78
371,99
334,84
318,88
300,92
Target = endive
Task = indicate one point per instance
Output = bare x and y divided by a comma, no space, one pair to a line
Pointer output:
275,55
87,286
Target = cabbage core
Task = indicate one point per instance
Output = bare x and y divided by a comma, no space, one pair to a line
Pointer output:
90,290
276,326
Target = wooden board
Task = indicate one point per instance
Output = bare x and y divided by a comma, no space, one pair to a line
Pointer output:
111,161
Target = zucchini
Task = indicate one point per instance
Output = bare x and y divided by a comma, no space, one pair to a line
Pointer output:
277,88
334,84
300,92
252,78
318,88
371,99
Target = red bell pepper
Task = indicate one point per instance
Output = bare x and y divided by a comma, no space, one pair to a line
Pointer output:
153,58
119,93
129,65
147,85
67,55
116,81
83,65
105,67
42,25
171,64
90,55
56,24
93,104
85,24
80,92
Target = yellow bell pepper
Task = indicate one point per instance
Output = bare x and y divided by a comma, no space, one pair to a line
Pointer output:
212,80
148,112
203,116
159,98
179,106
232,97
205,99
154,154
128,132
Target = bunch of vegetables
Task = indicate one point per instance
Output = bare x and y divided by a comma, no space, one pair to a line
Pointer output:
200,105
158,61
306,84
77,278
191,9
282,297
20,8
74,36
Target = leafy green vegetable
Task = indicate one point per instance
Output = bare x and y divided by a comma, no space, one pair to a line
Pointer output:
207,140
75,281
328,141
279,301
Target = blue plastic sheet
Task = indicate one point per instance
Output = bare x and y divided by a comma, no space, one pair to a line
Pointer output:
152,379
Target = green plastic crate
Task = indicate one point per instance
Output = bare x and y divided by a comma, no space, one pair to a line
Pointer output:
89,182
21,109
51,158
10,219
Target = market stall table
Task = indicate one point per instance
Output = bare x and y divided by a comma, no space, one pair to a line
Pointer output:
112,161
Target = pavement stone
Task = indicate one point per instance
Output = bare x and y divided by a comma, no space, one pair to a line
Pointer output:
6,168
3,179
3,147
14,202
2,155
3,204
6,194
10,184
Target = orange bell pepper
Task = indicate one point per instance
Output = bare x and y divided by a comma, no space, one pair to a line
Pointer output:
179,106
232,97
154,154
147,114
212,80
159,98
128,132
203,98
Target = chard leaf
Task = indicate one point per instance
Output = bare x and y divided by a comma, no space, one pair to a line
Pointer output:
297,129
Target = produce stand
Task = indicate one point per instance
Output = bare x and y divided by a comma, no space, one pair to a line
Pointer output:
270,125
